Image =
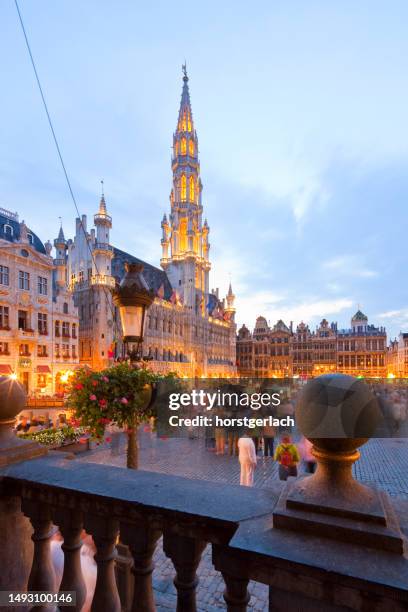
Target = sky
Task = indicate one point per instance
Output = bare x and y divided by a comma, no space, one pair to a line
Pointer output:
301,112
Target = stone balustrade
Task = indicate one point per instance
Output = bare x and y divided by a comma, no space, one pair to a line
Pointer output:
324,542
138,507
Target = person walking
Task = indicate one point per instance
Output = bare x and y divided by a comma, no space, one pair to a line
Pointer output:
287,455
269,439
247,460
308,459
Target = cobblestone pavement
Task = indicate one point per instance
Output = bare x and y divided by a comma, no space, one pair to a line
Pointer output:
383,463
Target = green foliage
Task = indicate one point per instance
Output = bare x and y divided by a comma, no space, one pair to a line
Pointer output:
120,395
55,437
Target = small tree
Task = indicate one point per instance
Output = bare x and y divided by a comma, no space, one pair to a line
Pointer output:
120,395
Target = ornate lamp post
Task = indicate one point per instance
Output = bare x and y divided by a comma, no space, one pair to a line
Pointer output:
132,297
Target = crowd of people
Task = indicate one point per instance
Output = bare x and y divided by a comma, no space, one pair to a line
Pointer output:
287,454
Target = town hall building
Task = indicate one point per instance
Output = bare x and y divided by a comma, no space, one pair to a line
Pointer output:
188,328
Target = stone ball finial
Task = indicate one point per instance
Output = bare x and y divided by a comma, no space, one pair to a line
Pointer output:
12,398
337,412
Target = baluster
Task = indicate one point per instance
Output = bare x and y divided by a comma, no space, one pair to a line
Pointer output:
234,570
236,593
104,532
185,554
42,575
71,525
141,540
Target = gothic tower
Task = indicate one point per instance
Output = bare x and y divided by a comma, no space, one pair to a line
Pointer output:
185,246
60,261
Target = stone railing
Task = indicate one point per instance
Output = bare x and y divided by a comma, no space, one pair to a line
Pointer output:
324,542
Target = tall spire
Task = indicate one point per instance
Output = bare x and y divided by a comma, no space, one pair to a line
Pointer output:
60,240
184,241
185,117
102,203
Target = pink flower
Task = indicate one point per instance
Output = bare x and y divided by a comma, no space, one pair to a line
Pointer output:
108,439
124,400
95,383
105,379
102,402
92,397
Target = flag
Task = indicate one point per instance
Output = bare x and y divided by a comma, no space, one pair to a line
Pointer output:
211,304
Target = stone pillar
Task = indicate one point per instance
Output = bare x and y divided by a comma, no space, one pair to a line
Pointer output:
185,553
16,546
234,570
141,539
105,533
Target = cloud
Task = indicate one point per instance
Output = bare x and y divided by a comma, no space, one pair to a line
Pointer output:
349,265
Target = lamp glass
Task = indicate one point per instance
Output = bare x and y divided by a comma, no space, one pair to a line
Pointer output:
132,319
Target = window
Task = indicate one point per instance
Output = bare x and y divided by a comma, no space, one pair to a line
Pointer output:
192,189
65,351
42,285
42,350
4,275
183,188
73,348
65,329
30,238
24,352
4,317
24,280
22,319
65,308
81,276
42,323
183,146
4,348
57,329
57,350
191,147
74,333
41,381
8,230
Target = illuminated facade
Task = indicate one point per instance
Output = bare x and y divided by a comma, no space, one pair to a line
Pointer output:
281,351
397,357
38,318
188,328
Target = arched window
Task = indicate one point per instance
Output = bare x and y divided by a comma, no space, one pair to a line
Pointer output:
183,123
183,146
30,238
191,147
192,189
188,123
8,230
183,188
176,148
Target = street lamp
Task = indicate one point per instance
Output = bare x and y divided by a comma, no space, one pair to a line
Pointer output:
132,296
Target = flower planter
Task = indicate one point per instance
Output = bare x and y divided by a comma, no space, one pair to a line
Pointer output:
74,447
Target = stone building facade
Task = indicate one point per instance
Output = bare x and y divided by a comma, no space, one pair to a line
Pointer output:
188,328
397,357
281,351
38,319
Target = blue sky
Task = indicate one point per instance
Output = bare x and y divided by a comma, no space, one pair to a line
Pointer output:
300,108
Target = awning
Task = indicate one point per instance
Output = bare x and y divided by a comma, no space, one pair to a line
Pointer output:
43,369
5,369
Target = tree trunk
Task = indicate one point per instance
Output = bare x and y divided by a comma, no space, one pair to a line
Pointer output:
132,449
